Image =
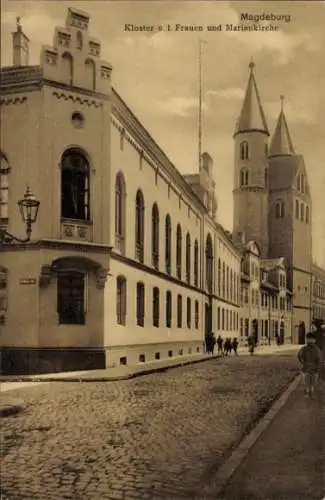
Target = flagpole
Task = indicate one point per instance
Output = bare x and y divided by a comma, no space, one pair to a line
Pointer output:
201,42
200,102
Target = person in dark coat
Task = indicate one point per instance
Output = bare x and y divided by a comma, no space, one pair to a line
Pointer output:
220,345
235,345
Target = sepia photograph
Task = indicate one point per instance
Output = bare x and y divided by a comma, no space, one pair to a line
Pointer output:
162,250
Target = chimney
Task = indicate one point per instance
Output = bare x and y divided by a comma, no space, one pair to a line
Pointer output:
20,44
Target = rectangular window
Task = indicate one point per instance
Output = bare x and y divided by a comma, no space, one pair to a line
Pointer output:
218,318
179,311
155,307
188,313
140,304
71,298
196,314
168,309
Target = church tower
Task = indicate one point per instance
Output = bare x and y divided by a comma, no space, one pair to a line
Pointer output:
250,192
290,212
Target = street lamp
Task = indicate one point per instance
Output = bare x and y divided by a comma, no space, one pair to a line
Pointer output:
28,208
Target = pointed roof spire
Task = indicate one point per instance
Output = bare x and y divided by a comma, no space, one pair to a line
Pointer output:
281,143
252,116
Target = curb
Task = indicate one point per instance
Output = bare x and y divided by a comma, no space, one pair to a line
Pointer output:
116,378
227,470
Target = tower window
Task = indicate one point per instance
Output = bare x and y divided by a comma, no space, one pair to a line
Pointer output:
302,211
244,177
279,210
265,176
244,150
307,214
297,209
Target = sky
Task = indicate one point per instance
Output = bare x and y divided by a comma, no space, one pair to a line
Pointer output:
156,73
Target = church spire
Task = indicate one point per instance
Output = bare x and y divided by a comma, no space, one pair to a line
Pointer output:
252,116
281,144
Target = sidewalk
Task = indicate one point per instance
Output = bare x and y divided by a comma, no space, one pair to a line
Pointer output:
288,460
129,371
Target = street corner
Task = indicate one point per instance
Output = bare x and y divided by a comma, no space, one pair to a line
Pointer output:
10,406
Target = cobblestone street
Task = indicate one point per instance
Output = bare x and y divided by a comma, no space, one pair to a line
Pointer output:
161,436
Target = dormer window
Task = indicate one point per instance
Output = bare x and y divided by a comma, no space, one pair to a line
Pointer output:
244,150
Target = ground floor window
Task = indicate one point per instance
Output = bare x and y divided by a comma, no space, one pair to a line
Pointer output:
196,314
121,300
140,304
71,297
179,311
188,313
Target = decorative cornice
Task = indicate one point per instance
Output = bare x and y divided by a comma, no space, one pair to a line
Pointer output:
13,100
70,97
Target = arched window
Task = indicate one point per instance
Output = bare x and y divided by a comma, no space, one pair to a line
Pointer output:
155,307
223,279
75,173
299,183
196,263
71,288
302,211
307,214
140,303
79,40
139,226
121,300
279,209
67,67
244,177
209,263
297,209
179,251
155,236
120,211
188,312
302,183
244,150
219,277
169,309
4,186
90,74
179,311
168,244
188,258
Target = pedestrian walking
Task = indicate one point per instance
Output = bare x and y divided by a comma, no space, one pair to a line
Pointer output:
210,342
220,345
235,346
251,344
311,360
